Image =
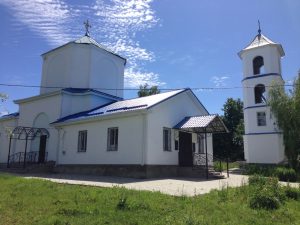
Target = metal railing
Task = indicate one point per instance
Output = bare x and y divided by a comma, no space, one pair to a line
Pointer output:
199,159
31,157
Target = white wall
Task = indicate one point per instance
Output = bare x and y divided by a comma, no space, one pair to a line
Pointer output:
168,114
261,146
271,57
250,120
29,111
248,90
5,127
129,144
83,66
74,103
107,71
267,148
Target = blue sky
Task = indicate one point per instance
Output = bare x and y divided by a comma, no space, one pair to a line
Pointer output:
170,43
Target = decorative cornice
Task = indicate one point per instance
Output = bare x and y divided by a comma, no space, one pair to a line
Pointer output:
261,75
256,106
275,132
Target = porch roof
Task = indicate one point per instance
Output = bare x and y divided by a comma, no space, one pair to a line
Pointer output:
202,124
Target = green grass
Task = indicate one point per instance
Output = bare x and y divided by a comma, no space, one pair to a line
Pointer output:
31,201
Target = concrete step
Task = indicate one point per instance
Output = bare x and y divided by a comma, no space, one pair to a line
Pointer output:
199,172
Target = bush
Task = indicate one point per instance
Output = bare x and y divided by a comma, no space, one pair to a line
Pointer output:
266,193
265,199
257,180
286,174
292,193
265,171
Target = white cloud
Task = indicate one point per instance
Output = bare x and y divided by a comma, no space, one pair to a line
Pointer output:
134,78
120,21
219,81
45,17
115,24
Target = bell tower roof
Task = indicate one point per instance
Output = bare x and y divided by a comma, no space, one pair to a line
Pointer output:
259,41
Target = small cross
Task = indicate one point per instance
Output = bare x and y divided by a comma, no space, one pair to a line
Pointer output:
259,30
87,26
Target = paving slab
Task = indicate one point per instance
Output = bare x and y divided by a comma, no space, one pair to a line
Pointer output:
171,186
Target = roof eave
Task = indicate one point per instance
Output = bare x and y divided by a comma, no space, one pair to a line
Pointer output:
24,100
99,117
279,47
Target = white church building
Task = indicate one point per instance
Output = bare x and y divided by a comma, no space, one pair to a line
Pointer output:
81,122
263,141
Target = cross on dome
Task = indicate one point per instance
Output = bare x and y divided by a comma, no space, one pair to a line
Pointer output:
87,26
259,30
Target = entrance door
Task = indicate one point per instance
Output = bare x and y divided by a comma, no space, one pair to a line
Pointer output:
42,150
185,149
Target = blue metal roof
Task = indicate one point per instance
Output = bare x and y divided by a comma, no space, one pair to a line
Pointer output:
86,90
11,115
122,106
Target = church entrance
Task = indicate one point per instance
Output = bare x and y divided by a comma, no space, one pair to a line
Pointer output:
42,149
28,134
185,149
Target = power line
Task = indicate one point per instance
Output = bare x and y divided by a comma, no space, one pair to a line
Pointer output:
136,89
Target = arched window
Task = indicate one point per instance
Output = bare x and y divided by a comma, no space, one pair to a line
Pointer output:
259,93
258,65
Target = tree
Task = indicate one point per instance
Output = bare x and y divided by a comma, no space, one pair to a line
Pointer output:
286,108
146,91
231,142
3,97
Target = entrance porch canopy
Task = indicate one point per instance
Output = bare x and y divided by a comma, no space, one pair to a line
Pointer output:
202,124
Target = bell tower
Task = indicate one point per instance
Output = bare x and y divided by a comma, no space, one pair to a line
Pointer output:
263,141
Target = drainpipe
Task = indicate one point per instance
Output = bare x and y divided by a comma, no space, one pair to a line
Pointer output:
57,145
206,159
145,141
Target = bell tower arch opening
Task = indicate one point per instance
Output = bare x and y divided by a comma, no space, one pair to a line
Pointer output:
259,94
258,65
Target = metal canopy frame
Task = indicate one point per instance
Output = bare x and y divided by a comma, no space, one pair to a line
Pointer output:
25,134
203,125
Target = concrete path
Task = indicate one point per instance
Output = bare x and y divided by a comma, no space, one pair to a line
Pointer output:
171,186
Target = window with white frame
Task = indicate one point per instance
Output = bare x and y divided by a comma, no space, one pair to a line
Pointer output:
200,144
261,119
112,139
82,141
167,139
